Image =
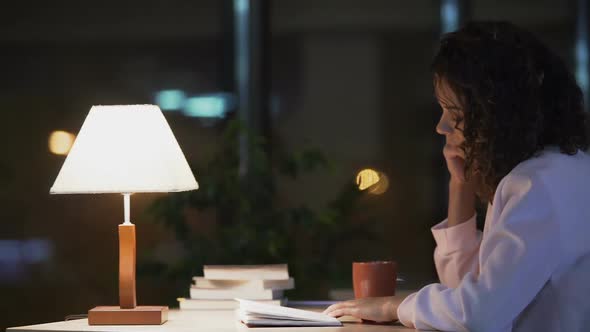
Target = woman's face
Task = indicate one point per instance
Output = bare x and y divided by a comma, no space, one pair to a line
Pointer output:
450,124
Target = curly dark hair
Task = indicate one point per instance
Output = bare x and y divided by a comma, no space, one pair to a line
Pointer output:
517,98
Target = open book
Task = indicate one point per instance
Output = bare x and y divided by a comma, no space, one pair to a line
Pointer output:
260,314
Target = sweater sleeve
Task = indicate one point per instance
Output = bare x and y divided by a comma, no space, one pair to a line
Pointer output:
518,253
456,251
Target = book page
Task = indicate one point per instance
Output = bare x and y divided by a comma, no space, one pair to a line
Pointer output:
251,307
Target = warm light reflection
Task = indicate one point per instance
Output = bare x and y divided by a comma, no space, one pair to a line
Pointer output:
60,142
366,178
381,186
376,182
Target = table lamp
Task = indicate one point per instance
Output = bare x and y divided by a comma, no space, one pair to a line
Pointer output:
125,149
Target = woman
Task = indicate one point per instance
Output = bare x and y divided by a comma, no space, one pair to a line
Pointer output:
516,132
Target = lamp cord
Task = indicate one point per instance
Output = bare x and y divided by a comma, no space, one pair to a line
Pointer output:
76,316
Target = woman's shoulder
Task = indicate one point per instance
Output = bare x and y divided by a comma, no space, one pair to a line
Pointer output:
552,163
551,170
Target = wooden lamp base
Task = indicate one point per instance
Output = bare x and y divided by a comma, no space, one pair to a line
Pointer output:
140,315
128,312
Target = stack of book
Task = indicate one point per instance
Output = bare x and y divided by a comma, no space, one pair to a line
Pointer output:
220,285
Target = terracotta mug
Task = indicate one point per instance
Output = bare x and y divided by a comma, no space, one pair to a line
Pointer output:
374,279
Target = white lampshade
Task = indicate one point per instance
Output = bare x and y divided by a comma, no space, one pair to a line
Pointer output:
124,149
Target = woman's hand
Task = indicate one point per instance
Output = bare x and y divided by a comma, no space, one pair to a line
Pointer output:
455,162
378,309
461,192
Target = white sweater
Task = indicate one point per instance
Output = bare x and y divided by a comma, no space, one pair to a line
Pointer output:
529,270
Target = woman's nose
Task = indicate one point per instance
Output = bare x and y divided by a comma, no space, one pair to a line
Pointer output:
443,127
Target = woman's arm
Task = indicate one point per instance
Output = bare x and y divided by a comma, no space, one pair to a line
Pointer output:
518,254
457,238
461,202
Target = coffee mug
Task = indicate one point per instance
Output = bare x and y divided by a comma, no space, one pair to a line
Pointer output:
374,279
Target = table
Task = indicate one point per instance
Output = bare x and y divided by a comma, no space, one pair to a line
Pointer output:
203,320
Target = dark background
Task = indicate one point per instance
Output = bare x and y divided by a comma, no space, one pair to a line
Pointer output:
348,77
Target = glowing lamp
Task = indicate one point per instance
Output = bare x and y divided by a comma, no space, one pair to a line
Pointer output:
125,149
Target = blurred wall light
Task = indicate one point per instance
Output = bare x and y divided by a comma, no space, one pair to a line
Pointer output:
366,178
581,49
17,255
449,15
242,49
381,186
170,100
11,265
275,105
241,6
60,142
36,251
582,63
215,105
374,182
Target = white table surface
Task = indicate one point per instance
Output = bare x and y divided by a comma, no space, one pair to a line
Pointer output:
202,320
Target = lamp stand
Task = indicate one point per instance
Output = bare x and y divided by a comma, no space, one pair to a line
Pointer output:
127,313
